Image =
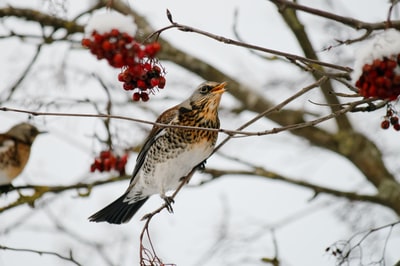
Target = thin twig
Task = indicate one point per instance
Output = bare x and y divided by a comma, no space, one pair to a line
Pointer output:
150,215
231,133
219,38
24,73
274,109
41,252
351,22
261,172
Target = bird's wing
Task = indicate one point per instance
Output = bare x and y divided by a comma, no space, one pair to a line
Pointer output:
165,118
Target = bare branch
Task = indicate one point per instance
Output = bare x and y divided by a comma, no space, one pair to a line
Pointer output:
39,191
289,56
40,252
276,108
24,73
43,19
343,250
259,171
229,132
351,22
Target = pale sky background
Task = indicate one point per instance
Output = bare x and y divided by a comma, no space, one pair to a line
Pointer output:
227,221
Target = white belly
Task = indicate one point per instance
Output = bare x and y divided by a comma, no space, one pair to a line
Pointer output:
167,175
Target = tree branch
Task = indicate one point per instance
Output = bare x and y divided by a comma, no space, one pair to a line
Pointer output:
351,22
39,191
298,29
261,172
40,252
44,19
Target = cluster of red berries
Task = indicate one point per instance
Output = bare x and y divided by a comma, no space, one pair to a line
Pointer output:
108,161
141,70
381,79
143,77
391,118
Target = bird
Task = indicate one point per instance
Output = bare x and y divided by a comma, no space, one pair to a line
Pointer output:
15,149
169,153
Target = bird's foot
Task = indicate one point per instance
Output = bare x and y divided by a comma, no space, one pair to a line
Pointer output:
168,203
6,188
201,166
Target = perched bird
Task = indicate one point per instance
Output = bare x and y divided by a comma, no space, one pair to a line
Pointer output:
15,148
169,153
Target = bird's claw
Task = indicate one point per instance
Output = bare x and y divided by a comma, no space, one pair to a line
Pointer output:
6,188
201,166
168,203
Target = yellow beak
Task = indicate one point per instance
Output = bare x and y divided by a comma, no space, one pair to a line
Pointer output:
220,88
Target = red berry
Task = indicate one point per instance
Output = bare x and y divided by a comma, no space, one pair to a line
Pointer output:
124,158
396,80
107,165
128,86
145,97
122,76
126,37
391,64
113,162
120,44
147,66
136,71
394,120
136,47
98,38
105,154
396,127
389,73
141,54
114,33
86,42
136,96
129,60
152,49
141,84
372,75
154,82
99,54
367,68
380,81
385,124
157,46
161,82
106,45
118,60
156,69
388,84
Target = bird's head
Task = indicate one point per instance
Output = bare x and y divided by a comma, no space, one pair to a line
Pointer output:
206,96
24,132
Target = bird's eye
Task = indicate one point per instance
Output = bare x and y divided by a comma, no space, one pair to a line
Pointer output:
205,89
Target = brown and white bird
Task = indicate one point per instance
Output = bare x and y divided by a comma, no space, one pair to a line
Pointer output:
15,148
169,153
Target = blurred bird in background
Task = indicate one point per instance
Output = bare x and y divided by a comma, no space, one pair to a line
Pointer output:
15,148
169,153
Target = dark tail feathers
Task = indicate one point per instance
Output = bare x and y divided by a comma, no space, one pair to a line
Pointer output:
118,211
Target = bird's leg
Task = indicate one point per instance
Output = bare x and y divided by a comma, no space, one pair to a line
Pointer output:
168,202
